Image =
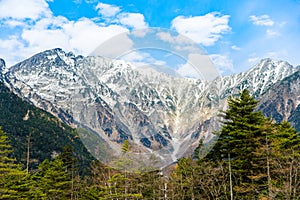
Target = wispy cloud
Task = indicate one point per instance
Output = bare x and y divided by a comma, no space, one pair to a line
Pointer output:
174,39
236,48
253,60
222,63
272,33
198,66
262,20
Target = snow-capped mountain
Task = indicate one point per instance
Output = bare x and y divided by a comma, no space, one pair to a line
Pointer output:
258,79
118,101
282,101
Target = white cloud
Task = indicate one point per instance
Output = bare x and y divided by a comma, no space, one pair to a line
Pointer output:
253,60
134,56
205,30
234,47
45,39
272,33
178,39
48,23
9,46
11,43
188,70
81,36
13,23
140,32
262,20
111,47
107,10
181,43
167,37
39,29
273,54
75,1
198,66
222,63
24,9
44,31
140,59
133,20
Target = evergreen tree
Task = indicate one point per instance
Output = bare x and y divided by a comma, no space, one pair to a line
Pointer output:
150,184
285,162
51,181
186,179
70,163
240,140
12,177
125,147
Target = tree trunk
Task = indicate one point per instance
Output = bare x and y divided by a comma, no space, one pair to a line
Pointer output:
28,154
230,178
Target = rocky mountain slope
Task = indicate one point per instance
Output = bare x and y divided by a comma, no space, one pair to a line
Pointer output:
154,111
282,100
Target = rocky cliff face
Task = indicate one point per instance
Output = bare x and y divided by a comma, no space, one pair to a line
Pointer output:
282,100
154,111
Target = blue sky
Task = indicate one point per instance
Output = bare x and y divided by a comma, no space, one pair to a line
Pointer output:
235,34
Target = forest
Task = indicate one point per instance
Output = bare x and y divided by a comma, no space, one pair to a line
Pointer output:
252,157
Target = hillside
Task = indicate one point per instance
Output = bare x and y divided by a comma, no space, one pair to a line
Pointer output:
48,135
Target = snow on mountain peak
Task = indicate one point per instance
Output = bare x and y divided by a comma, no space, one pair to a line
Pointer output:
156,111
258,79
2,65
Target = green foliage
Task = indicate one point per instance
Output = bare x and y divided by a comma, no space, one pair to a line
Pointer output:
108,183
12,178
51,181
261,158
242,137
264,156
285,161
125,147
47,134
197,151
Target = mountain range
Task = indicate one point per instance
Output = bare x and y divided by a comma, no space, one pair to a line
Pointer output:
157,113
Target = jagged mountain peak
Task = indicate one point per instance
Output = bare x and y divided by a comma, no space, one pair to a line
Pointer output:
59,52
282,100
258,79
115,98
2,65
46,59
268,64
121,101
2,68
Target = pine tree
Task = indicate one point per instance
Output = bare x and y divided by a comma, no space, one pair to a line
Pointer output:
12,177
185,179
70,163
241,139
52,181
285,162
125,147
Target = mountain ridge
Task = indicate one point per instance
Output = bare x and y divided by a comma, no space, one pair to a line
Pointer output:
155,111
